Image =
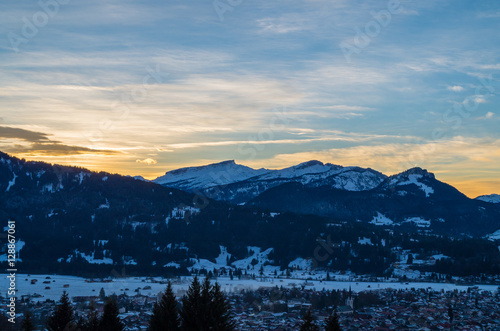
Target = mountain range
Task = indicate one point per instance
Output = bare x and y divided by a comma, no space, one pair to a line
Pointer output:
235,183
413,197
76,221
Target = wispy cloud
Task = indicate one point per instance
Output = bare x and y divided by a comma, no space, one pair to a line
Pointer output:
489,15
27,143
456,88
348,108
16,133
489,115
312,136
148,161
284,24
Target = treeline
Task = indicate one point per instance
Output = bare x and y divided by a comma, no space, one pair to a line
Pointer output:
63,318
204,307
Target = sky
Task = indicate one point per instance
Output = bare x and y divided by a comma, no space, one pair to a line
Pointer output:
144,87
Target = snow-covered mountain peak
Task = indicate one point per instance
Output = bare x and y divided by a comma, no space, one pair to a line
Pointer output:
492,198
308,164
222,164
414,176
237,183
305,168
221,173
418,171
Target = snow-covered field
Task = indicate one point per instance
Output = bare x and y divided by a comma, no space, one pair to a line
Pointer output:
76,286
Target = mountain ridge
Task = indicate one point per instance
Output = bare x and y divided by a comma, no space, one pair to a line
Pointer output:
76,221
313,173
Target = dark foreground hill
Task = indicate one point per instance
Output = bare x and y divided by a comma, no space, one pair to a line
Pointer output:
72,220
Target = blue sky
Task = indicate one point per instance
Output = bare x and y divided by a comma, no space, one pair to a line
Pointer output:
144,87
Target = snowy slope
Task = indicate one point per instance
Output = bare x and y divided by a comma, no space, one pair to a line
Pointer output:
239,184
381,219
310,167
492,198
494,236
315,174
210,175
412,178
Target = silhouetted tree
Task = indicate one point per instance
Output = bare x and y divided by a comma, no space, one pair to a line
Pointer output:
102,294
332,323
165,314
410,259
110,320
450,314
205,307
206,303
308,323
191,307
91,323
62,316
220,311
27,323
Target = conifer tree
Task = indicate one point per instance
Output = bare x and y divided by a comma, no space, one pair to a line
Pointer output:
332,323
191,308
206,303
220,311
165,314
308,323
110,320
91,323
205,308
102,294
27,323
62,316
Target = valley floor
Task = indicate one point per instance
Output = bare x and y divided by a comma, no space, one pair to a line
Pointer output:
278,304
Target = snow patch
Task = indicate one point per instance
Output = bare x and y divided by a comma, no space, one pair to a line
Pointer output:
129,261
11,183
381,219
492,198
105,205
136,224
258,257
300,263
49,188
418,221
413,179
365,241
81,176
180,212
90,259
440,256
494,236
220,261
